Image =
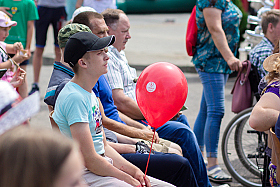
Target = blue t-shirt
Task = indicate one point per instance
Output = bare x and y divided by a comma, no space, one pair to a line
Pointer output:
73,105
207,57
103,91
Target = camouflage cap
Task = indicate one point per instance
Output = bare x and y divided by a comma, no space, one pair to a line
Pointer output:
68,30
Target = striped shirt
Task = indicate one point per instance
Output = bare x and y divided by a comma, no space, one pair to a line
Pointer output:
259,53
120,75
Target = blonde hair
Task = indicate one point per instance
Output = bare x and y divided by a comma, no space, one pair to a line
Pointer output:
275,73
32,157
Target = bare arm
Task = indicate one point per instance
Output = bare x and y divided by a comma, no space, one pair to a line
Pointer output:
265,113
6,65
79,3
123,148
214,24
126,105
125,166
131,122
14,48
93,161
125,139
30,27
123,129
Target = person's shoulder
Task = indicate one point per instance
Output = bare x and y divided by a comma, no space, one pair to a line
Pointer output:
70,91
114,54
219,4
261,47
3,44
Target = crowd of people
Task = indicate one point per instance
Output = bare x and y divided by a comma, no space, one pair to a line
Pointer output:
99,136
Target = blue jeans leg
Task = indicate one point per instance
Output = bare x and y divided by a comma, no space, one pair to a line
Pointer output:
170,168
181,134
208,121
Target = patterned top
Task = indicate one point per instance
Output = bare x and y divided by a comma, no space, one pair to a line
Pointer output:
273,87
3,58
120,75
207,57
259,53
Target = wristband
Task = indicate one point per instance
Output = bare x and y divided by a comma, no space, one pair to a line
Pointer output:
12,62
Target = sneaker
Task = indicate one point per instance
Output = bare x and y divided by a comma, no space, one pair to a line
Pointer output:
216,174
35,88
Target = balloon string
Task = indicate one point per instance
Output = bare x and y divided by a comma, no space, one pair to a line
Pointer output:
150,152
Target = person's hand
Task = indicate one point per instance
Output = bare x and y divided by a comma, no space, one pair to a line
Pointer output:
234,64
140,176
19,78
132,181
148,134
28,53
4,9
17,46
19,58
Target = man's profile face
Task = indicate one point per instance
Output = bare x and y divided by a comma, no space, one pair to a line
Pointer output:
97,62
99,27
121,33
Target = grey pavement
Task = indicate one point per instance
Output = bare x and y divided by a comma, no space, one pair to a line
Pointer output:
155,37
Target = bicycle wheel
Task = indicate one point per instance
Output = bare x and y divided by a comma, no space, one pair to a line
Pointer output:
239,163
245,145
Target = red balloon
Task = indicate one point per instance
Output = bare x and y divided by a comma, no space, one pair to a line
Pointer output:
161,92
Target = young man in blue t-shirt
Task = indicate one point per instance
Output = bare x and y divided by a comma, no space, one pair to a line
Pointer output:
77,115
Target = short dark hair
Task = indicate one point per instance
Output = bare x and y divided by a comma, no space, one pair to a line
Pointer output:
85,17
112,16
272,16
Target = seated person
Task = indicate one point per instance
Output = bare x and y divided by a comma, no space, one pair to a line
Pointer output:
97,25
271,28
62,73
77,115
32,157
121,77
266,112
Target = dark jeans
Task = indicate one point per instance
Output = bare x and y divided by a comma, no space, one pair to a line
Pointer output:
171,168
180,132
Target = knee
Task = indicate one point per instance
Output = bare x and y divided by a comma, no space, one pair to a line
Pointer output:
39,50
184,165
217,112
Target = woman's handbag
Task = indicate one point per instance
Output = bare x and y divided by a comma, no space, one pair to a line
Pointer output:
241,91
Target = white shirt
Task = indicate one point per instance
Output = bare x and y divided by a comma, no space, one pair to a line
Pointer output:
120,75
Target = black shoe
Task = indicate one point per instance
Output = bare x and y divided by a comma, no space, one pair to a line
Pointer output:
35,88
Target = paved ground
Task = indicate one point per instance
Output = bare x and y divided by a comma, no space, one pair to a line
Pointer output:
158,37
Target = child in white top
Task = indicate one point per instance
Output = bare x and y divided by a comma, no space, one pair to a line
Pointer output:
16,48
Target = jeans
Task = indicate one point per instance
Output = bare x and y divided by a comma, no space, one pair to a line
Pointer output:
170,168
212,109
181,133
